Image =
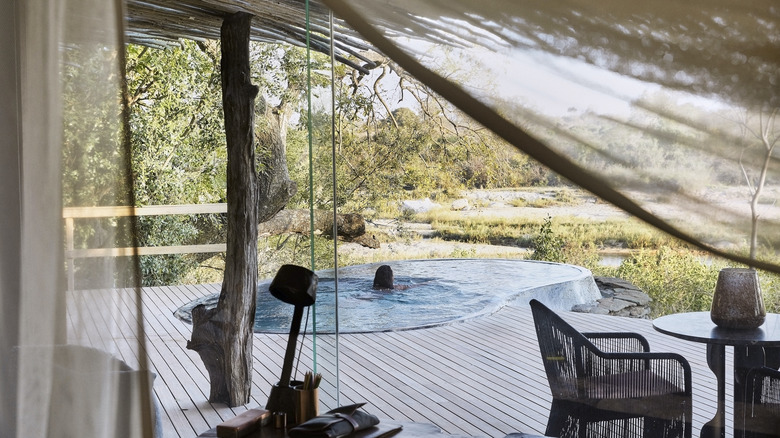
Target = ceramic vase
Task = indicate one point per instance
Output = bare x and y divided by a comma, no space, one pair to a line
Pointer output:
737,302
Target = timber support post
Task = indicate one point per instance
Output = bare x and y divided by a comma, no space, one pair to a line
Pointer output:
223,336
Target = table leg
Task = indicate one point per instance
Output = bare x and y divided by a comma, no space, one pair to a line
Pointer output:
745,359
716,360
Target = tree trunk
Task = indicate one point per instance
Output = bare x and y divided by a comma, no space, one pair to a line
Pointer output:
275,187
222,336
348,225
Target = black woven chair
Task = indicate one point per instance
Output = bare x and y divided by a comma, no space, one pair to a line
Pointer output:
762,413
609,384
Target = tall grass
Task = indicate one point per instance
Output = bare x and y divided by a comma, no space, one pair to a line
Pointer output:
520,231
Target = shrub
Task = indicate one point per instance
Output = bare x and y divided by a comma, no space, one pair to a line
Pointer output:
770,289
547,245
460,253
586,255
676,280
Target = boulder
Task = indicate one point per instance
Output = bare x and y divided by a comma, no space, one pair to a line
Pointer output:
460,204
618,298
418,205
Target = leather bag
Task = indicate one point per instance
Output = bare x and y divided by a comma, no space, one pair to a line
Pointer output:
336,423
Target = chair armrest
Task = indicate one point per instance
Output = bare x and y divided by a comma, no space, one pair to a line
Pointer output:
671,367
616,342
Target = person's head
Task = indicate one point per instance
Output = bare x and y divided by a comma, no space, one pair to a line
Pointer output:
383,279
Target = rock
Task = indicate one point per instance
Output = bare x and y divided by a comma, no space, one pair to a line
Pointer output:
614,305
460,204
419,205
606,293
613,282
584,308
635,296
618,298
639,312
367,240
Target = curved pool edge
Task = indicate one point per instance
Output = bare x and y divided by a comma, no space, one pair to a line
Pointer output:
563,295
557,295
560,292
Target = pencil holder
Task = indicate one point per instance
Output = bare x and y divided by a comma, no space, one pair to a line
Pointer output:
306,404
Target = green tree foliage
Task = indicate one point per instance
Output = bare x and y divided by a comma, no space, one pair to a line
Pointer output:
178,141
381,158
770,289
419,149
176,121
178,149
428,150
652,152
93,164
553,245
91,159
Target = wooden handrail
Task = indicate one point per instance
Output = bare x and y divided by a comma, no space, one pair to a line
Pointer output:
146,250
150,210
72,213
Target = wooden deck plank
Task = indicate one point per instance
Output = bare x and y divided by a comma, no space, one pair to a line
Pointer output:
174,422
112,311
449,383
391,383
167,355
480,377
502,370
86,315
488,376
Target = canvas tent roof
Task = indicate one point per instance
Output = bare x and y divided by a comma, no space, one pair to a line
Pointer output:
158,23
698,46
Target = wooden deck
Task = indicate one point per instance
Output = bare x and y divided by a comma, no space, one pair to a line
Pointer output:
480,377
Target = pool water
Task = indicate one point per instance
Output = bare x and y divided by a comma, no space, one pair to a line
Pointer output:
440,291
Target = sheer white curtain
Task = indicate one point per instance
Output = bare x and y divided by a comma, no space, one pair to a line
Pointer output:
73,362
667,109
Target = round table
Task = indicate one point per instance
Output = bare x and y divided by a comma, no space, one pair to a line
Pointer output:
752,348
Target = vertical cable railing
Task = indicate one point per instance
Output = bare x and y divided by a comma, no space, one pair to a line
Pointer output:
335,214
309,129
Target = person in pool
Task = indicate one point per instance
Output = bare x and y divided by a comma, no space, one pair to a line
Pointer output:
383,279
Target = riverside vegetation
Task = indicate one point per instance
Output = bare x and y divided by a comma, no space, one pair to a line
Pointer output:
677,278
383,156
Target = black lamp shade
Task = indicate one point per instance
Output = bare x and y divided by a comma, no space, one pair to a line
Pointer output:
294,285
